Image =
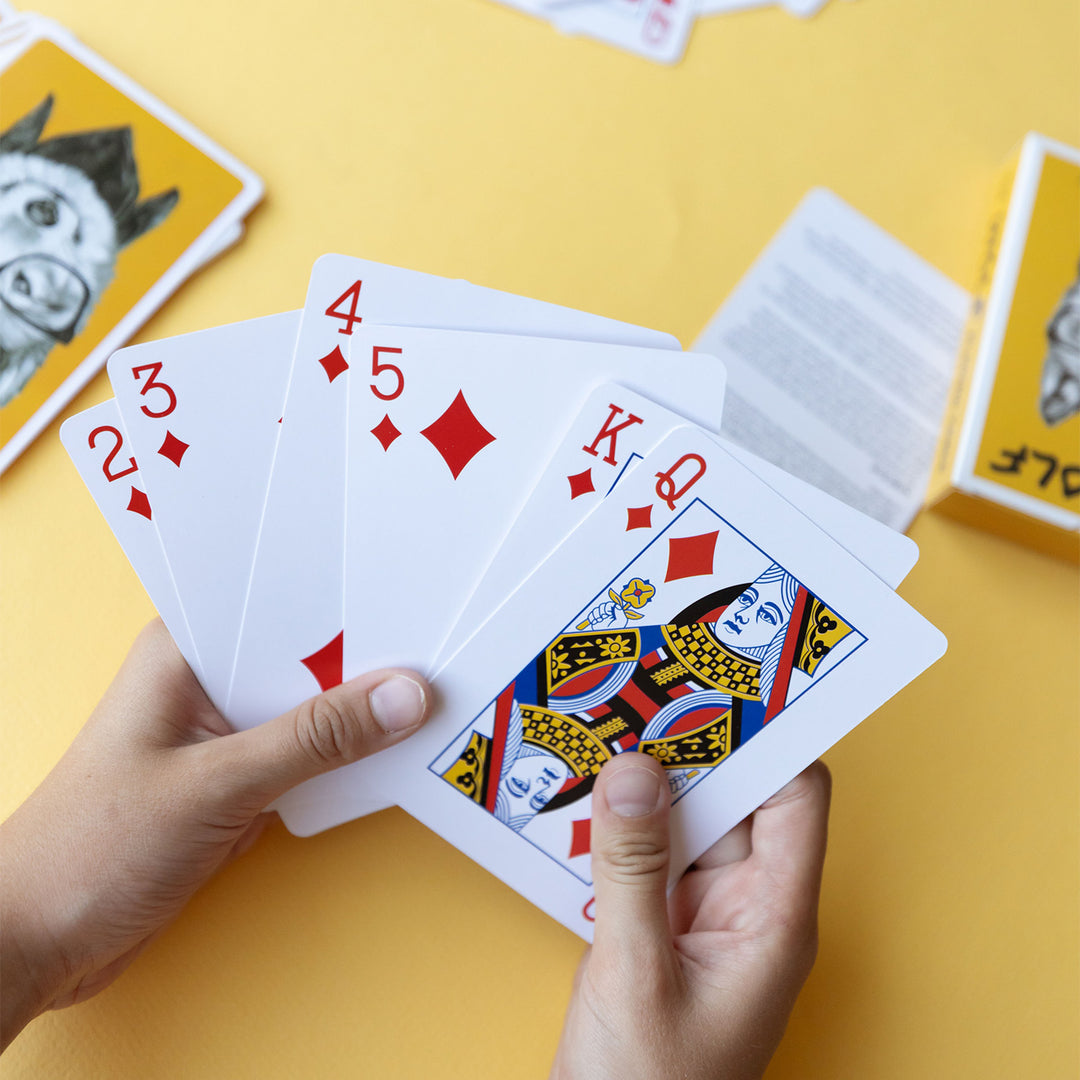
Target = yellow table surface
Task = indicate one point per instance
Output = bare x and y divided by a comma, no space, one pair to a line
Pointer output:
462,138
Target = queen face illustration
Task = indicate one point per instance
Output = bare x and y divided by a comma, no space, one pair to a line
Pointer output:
754,617
530,783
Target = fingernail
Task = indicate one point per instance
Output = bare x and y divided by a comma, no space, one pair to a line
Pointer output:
633,792
397,704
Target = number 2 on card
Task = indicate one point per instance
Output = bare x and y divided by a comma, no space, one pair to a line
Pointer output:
111,476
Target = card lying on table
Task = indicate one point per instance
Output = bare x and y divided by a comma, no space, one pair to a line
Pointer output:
111,200
695,616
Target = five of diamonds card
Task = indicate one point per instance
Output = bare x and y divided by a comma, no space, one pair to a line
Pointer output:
529,504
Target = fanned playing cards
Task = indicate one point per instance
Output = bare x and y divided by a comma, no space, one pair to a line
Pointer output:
532,506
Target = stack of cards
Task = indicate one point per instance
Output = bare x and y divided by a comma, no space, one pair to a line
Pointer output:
108,201
530,505
655,29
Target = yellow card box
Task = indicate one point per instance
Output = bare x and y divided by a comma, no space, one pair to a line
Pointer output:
1009,454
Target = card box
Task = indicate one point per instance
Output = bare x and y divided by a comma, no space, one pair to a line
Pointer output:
1008,457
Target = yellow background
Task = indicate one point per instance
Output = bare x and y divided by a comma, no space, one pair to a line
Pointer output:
85,101
1048,268
462,138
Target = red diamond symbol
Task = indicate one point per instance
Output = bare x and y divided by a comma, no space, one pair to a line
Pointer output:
334,363
139,503
580,836
581,483
458,435
325,664
691,556
385,432
173,448
639,517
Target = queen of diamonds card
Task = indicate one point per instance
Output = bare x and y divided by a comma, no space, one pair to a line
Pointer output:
697,644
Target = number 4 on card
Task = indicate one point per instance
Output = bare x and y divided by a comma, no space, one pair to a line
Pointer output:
352,294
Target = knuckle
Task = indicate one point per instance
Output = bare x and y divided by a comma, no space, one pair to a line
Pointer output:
328,732
631,858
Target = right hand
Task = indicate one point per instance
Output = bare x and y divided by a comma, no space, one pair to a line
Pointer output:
698,985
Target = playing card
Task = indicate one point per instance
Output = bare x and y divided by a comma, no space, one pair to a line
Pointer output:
448,432
110,200
615,428
222,241
96,443
803,8
460,426
201,411
656,29
696,616
721,7
889,554
290,643
12,22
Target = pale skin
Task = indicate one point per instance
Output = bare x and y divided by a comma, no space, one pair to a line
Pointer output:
707,976
155,795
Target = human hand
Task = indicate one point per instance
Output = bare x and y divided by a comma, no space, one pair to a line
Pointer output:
699,984
607,616
152,797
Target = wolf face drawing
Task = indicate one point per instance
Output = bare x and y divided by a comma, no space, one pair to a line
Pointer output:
68,205
1059,391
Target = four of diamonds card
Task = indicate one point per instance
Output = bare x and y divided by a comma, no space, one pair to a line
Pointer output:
527,503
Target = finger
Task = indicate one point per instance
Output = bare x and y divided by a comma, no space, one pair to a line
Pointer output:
154,672
630,854
349,722
686,899
733,846
789,831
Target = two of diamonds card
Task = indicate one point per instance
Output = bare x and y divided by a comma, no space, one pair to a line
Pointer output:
527,503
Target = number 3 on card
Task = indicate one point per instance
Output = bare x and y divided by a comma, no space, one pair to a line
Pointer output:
377,368
153,384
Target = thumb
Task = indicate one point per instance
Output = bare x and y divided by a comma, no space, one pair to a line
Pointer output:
342,725
630,847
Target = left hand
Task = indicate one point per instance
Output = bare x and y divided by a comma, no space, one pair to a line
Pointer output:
153,796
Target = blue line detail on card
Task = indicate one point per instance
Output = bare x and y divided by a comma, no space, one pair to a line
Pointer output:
635,456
